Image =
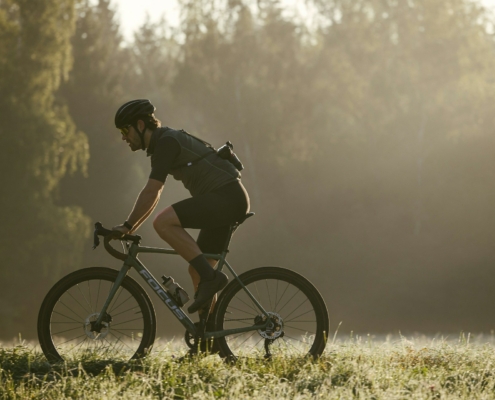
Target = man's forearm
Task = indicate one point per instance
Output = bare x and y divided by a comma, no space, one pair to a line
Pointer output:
145,217
145,203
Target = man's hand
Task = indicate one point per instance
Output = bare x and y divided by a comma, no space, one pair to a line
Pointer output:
121,229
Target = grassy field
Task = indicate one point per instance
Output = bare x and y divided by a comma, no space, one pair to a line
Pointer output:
355,367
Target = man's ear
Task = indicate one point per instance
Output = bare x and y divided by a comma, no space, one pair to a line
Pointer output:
141,125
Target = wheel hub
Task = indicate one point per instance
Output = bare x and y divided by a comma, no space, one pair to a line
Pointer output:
274,328
97,332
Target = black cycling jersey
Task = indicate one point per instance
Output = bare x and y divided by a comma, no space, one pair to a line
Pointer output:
189,160
165,152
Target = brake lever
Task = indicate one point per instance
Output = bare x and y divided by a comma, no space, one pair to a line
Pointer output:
99,230
96,239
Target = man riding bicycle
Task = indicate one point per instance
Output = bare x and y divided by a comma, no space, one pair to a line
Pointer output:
218,197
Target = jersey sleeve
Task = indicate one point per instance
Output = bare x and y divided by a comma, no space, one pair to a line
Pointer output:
166,151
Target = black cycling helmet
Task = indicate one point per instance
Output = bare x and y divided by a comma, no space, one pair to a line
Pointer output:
129,112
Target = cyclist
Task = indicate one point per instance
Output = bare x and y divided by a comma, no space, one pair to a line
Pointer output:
218,197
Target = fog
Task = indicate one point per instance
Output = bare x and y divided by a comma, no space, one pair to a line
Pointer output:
367,142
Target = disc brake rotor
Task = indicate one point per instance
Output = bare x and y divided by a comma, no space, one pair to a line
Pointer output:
96,334
275,327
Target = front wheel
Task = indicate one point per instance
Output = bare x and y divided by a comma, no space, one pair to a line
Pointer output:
66,321
298,318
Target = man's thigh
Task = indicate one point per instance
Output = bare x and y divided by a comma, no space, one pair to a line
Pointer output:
206,211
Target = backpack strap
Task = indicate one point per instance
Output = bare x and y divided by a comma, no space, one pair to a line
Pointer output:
190,163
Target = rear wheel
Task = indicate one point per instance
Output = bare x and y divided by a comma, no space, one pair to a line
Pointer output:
66,321
298,319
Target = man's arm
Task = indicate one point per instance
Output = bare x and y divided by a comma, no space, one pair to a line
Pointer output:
145,217
144,206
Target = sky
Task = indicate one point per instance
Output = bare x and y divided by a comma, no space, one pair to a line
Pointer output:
132,13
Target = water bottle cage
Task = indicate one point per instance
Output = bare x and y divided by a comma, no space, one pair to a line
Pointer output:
175,290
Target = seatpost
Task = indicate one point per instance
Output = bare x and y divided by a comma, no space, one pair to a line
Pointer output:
229,238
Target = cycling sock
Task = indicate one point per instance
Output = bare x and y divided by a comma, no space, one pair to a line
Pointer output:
203,268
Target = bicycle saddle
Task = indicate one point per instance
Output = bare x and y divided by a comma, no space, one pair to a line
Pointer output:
245,218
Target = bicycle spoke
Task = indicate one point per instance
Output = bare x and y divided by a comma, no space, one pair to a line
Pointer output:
89,290
98,294
245,312
117,330
122,312
299,329
118,340
72,319
248,305
70,309
279,311
281,297
300,315
249,337
115,297
70,340
285,295
268,292
68,330
81,342
84,297
117,307
239,319
292,312
65,335
125,322
65,322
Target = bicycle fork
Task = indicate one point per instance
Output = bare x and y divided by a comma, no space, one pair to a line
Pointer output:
103,316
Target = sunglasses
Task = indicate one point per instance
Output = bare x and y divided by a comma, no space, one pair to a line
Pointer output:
125,130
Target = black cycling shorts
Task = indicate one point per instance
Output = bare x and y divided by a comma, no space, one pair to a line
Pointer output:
213,213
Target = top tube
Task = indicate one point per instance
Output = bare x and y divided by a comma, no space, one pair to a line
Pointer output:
160,250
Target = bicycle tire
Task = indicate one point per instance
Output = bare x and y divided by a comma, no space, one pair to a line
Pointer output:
280,288
73,303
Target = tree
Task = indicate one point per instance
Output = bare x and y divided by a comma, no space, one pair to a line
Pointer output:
93,92
40,144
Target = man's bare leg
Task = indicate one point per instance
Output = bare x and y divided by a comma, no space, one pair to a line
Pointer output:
168,227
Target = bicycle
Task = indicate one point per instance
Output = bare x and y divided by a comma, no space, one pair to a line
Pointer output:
103,312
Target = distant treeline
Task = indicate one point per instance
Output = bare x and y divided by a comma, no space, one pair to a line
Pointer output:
367,135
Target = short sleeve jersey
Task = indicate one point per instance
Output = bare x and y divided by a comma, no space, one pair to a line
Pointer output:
189,160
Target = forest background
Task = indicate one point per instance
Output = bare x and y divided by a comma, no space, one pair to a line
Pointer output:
367,137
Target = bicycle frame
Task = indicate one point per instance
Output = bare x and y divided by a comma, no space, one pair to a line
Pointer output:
133,262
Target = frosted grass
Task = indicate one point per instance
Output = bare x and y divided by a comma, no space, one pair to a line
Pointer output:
354,367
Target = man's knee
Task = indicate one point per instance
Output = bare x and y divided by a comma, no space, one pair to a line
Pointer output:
167,218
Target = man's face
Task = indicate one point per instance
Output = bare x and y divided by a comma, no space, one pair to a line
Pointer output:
132,138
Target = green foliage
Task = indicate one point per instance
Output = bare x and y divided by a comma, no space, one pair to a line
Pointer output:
40,144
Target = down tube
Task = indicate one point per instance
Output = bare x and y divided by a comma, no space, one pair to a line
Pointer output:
164,296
